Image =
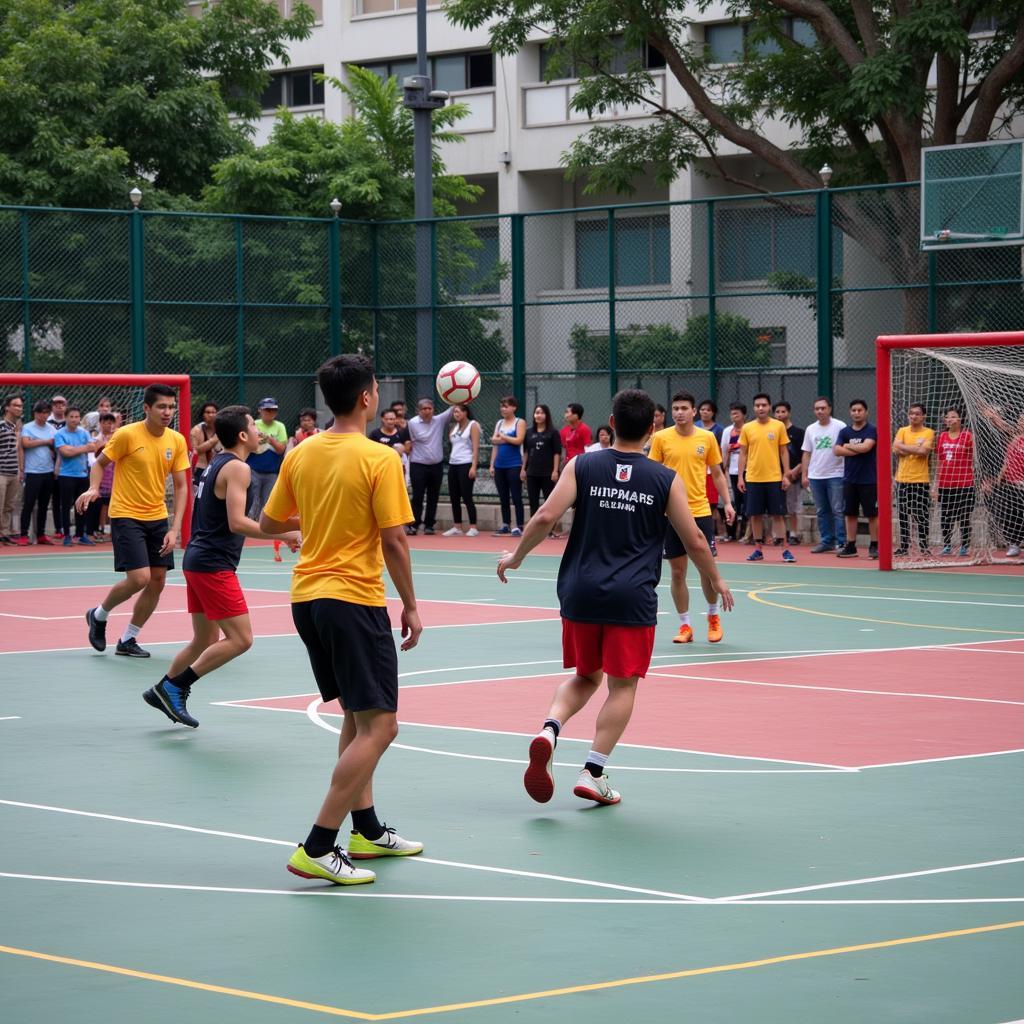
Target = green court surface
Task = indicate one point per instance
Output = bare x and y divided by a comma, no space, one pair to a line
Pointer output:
821,816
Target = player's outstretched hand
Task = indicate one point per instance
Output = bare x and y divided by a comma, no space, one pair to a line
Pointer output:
411,629
85,499
506,562
723,591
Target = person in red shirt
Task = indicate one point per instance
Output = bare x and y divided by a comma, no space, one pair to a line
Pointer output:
307,427
1007,497
575,434
954,483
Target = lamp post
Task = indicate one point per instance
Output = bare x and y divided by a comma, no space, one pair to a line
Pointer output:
334,275
826,343
137,311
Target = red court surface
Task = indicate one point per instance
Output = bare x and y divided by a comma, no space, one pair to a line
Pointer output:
825,726
53,619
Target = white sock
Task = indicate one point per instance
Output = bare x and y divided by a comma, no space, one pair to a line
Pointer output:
599,759
99,613
130,633
684,618
713,609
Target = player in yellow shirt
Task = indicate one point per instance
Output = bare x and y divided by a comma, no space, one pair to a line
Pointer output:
912,447
145,454
764,474
349,495
691,452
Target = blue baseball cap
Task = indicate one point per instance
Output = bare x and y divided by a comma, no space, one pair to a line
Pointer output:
267,403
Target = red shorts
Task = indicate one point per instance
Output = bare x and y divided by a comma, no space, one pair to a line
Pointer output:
622,651
217,595
711,490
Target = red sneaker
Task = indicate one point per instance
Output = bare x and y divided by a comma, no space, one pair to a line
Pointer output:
45,540
23,542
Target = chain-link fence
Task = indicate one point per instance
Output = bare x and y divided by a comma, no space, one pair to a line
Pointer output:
723,297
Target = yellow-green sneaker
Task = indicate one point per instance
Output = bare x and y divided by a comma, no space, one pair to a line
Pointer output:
390,844
334,866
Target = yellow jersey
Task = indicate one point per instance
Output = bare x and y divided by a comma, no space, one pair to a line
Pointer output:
345,489
764,443
143,462
689,457
913,469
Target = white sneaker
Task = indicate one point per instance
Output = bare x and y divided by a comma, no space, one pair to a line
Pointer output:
1013,551
538,780
590,788
391,844
334,866
453,532
472,532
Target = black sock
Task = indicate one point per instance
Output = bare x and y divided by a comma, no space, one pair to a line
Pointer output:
320,841
550,723
366,824
187,678
595,769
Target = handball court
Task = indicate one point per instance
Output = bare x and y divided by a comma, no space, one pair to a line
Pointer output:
820,815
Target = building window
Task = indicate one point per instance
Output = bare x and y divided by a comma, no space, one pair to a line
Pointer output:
293,89
641,251
753,242
452,72
729,43
650,57
482,277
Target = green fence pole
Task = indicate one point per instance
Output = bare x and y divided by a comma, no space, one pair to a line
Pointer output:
613,341
826,352
933,301
375,295
137,311
334,269
435,365
712,309
518,310
26,302
239,312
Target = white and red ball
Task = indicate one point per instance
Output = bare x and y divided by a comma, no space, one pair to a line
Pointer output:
458,382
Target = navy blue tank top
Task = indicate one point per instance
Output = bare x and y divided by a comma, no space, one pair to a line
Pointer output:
612,561
212,546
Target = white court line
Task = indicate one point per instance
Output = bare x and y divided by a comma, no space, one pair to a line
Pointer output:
868,881
911,600
935,760
419,858
313,713
348,892
838,689
10,718
983,650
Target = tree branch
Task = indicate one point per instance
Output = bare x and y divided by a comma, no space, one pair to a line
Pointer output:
947,76
866,24
990,95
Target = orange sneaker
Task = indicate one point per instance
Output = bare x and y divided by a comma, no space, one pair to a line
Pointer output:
684,636
714,629
277,551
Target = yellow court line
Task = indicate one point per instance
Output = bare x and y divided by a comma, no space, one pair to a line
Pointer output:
524,996
754,595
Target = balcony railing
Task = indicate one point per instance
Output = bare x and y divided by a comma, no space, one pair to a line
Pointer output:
481,110
547,103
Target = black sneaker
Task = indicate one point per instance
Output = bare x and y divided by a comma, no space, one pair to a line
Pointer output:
428,531
848,550
170,699
130,649
872,551
97,631
900,553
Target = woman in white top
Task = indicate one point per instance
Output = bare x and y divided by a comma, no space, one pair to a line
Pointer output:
462,463
605,439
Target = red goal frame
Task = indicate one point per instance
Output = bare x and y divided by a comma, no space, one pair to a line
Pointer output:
884,346
181,381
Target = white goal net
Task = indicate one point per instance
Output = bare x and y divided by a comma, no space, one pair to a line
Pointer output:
962,503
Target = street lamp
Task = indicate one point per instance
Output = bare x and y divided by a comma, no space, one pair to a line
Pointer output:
826,174
335,205
135,196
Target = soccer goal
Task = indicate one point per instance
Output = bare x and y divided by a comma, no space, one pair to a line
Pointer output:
964,505
124,391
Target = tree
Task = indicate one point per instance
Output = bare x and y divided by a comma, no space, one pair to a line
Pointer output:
99,95
855,84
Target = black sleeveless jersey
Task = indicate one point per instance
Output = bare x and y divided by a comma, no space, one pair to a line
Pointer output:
212,546
612,561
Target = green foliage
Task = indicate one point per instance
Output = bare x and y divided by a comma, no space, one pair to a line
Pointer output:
98,95
800,286
662,346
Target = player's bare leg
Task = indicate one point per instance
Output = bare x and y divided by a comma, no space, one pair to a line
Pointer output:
681,599
572,695
134,581
204,635
612,719
147,601
208,651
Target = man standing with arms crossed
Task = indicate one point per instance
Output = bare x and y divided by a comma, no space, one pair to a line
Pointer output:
764,474
607,584
145,454
691,452
349,495
856,447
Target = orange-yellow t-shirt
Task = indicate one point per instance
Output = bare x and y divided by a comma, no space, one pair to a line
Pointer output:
345,489
913,469
689,457
764,442
143,461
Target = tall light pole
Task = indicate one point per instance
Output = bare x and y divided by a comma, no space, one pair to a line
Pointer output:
422,100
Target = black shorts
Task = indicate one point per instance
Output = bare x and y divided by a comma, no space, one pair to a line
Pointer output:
860,496
351,651
674,546
137,544
765,499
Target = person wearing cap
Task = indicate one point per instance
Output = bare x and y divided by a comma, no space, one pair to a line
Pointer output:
265,462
